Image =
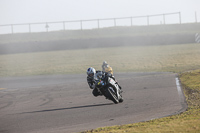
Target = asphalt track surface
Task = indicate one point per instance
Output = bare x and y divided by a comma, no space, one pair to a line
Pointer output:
64,103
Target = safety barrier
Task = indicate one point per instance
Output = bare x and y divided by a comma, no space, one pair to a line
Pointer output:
82,24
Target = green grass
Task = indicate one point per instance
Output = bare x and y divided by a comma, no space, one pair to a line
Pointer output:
173,58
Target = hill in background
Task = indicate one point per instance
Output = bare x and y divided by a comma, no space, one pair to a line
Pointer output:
105,37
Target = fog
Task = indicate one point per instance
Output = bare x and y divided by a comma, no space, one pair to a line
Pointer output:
30,11
36,11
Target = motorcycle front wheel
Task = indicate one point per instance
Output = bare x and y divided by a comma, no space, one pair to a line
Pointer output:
112,95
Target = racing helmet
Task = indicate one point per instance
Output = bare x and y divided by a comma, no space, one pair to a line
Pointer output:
105,63
99,75
91,71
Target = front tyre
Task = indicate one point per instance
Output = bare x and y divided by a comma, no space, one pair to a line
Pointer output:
112,95
121,100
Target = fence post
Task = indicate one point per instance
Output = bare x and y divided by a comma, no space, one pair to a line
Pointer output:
163,18
114,22
131,21
29,28
196,16
98,23
63,25
180,17
47,26
12,28
81,24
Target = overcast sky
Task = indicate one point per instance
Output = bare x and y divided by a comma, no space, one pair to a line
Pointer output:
30,11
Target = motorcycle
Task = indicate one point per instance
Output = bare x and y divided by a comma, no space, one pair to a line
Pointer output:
108,87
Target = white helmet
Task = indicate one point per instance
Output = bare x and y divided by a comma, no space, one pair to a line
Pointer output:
91,71
105,63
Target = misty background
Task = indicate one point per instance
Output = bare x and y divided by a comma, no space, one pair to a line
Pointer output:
35,11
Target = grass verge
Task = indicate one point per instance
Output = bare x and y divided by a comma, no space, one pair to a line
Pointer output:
163,58
188,121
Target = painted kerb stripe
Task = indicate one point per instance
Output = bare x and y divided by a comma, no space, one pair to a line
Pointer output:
197,38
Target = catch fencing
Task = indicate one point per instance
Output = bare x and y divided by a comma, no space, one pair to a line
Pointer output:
91,24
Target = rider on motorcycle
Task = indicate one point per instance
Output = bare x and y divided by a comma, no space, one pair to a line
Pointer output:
107,68
90,79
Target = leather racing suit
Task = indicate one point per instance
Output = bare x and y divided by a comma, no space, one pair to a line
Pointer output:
91,83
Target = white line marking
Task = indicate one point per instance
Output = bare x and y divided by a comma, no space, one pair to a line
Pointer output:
178,87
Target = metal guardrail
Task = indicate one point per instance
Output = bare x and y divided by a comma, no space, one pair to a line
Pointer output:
97,21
